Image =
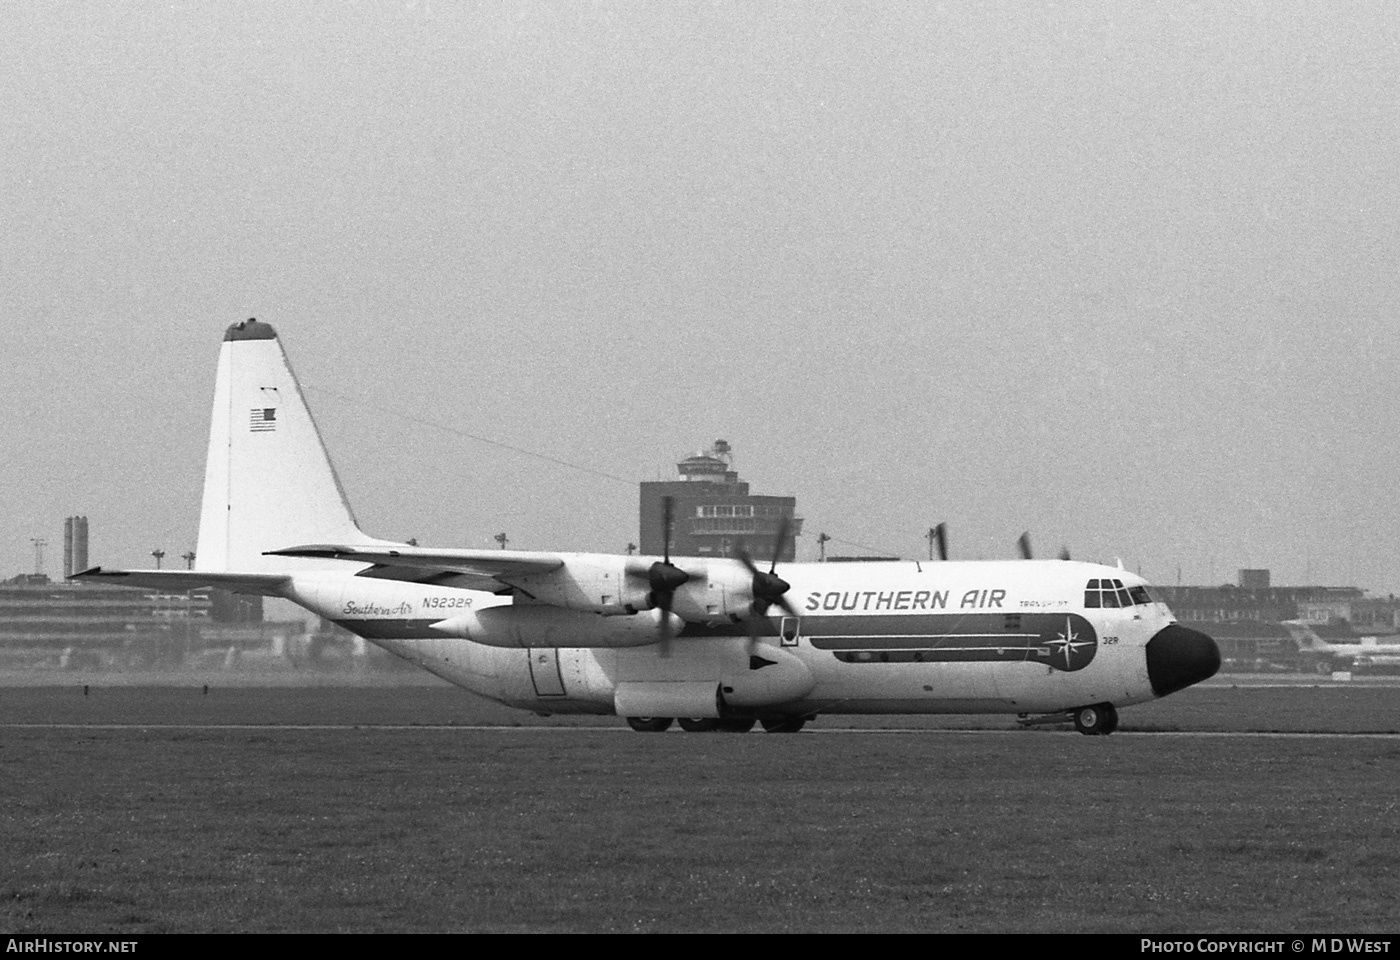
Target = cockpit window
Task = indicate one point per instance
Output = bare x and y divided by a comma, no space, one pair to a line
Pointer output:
1112,593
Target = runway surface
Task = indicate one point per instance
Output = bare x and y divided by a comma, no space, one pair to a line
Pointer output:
1220,809
510,731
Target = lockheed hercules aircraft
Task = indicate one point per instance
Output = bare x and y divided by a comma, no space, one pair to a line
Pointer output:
716,643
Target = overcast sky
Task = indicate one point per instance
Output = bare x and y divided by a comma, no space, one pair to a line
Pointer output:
1122,275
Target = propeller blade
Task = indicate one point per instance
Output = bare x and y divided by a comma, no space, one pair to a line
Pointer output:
1064,553
1025,544
787,606
664,605
940,539
743,555
752,648
753,624
668,513
778,542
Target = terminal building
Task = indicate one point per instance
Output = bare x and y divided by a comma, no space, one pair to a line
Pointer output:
714,514
83,624
1249,620
73,624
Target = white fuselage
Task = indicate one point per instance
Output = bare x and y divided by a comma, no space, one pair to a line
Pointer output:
890,637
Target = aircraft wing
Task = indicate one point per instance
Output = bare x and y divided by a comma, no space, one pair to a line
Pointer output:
466,569
178,581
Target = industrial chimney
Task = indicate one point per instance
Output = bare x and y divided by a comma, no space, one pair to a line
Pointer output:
75,545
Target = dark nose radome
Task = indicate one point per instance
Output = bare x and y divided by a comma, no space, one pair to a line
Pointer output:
1178,657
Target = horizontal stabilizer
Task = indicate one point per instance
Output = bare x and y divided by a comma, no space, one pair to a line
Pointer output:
178,581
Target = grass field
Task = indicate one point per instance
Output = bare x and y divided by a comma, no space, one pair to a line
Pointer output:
584,828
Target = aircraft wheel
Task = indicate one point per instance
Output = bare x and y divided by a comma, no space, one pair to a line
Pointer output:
737,726
1098,720
784,724
649,724
1111,722
698,724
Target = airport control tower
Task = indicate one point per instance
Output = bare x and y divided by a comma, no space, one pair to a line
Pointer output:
715,515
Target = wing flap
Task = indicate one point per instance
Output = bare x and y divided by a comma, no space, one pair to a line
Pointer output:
434,578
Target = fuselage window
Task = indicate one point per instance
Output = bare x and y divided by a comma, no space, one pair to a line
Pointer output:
1091,594
1111,593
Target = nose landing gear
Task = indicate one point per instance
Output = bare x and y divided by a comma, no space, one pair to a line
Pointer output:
1099,720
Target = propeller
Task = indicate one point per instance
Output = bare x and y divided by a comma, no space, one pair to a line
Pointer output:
664,577
938,536
768,588
1025,545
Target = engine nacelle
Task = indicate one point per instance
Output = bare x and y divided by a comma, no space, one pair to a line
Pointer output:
718,590
772,677
596,583
532,625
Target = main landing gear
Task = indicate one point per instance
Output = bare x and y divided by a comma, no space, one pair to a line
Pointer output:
649,724
699,724
775,724
783,724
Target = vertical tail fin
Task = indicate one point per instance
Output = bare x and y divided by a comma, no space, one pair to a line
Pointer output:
268,481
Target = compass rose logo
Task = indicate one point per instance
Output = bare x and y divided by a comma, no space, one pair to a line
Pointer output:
1069,641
